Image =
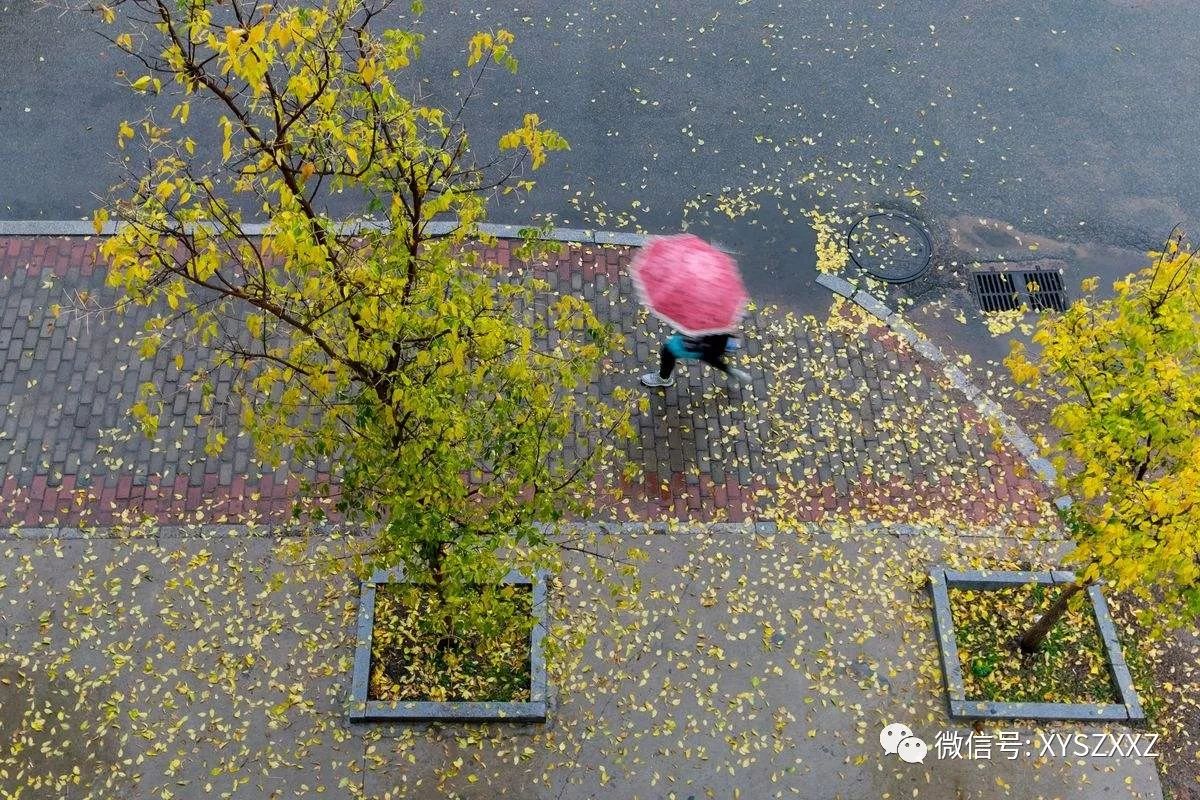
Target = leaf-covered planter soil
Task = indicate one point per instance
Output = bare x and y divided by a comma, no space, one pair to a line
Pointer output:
484,658
1072,666
475,658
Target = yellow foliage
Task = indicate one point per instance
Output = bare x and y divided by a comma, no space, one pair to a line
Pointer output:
535,139
124,131
1121,373
403,357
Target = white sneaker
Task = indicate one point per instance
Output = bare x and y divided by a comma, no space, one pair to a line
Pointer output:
652,379
739,377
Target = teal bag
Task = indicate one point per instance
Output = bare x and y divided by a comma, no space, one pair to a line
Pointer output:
677,345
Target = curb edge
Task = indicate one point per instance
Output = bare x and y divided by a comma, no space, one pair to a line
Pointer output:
1013,433
67,227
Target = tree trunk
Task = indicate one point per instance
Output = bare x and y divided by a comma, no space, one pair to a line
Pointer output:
1032,640
436,557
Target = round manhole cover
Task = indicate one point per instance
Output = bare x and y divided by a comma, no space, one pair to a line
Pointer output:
891,246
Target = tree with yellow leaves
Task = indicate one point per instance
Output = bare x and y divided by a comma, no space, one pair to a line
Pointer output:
442,388
1123,376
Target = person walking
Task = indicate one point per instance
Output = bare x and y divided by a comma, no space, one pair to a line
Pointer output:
709,349
698,290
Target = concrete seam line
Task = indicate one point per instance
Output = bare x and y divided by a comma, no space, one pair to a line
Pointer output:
1013,433
68,227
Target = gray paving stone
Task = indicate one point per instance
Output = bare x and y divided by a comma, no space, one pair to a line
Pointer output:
619,238
929,350
1044,469
960,382
836,284
872,304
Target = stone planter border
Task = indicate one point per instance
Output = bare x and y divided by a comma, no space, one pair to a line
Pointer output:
364,710
941,580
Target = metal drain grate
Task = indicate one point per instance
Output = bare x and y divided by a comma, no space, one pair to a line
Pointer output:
1038,290
1045,290
995,292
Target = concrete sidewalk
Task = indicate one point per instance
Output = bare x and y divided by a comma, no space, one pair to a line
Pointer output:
754,662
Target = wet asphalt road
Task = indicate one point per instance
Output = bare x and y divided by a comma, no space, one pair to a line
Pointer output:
1070,120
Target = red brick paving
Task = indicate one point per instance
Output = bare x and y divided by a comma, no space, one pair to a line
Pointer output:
86,391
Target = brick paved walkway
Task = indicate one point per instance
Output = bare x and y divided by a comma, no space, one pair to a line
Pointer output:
842,417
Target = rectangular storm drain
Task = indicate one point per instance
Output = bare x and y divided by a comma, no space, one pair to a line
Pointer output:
1045,290
995,291
1008,290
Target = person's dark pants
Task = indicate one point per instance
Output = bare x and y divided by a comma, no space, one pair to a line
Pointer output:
667,359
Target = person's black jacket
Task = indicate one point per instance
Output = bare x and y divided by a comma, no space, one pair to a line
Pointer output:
710,348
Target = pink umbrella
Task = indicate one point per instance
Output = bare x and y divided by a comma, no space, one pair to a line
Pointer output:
689,284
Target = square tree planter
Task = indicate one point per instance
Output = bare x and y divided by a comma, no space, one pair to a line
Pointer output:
364,710
941,580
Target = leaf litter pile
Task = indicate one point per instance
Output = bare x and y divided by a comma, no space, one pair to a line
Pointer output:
485,658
